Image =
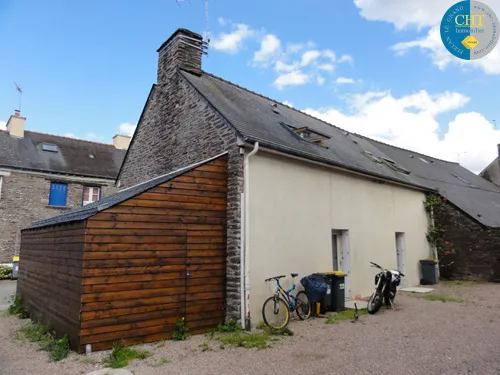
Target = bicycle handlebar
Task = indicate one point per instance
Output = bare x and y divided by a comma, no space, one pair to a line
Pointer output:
275,278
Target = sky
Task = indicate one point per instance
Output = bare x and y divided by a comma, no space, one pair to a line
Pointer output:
374,67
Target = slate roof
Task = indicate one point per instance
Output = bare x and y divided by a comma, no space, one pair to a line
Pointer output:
254,119
91,209
73,157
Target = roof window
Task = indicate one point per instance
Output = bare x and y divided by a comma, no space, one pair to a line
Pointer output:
425,161
372,157
309,134
461,179
389,162
49,147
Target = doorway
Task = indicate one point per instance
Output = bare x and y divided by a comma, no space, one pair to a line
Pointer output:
341,257
400,251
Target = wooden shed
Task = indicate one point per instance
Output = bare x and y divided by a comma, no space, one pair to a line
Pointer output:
132,264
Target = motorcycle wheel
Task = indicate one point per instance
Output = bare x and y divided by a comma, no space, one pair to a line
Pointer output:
375,302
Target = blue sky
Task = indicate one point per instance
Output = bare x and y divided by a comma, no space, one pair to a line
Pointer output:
376,67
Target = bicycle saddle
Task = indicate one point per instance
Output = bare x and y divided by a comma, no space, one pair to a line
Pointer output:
294,274
275,277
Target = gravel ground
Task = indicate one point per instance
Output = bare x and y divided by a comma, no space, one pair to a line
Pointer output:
420,337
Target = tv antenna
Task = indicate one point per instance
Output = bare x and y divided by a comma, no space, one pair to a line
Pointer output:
207,18
18,87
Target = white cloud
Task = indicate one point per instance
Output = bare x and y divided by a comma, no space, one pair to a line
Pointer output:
3,125
320,80
344,81
127,128
433,45
309,57
269,48
327,67
346,58
405,14
287,103
410,122
329,54
222,21
283,67
232,42
294,78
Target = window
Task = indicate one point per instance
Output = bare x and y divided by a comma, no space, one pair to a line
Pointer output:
91,194
309,134
58,194
49,147
425,161
462,179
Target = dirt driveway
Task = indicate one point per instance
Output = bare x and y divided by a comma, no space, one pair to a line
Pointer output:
421,337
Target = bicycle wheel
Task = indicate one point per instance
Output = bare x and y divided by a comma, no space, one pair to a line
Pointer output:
275,312
303,306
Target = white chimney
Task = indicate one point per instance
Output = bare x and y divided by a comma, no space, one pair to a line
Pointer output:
121,142
15,125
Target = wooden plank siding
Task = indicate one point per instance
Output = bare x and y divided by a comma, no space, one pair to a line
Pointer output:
155,258
50,276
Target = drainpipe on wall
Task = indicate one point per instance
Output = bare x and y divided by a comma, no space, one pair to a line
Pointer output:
434,249
245,256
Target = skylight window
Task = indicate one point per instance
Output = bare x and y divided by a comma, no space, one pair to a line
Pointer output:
461,179
309,134
425,161
49,147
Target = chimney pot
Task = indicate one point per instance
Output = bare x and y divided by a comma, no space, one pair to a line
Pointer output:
121,142
183,50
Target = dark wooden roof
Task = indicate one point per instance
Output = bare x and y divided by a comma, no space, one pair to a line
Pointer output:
74,156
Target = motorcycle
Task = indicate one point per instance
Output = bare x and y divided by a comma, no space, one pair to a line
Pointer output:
386,282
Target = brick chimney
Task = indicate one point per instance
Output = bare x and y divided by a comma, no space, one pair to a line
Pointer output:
183,50
121,142
15,125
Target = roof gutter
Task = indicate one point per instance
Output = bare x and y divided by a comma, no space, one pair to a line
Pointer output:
308,158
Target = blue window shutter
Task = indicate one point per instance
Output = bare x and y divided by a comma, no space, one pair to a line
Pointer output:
58,194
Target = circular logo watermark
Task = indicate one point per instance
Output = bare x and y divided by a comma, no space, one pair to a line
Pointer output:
469,30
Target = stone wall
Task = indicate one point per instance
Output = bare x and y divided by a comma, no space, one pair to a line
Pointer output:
477,249
24,199
179,128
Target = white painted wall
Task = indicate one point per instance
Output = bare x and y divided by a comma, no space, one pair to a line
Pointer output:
295,205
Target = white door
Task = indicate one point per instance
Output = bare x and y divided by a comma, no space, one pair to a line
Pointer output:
400,251
346,261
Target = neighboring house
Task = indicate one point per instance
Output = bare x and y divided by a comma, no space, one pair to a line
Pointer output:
302,196
492,171
42,175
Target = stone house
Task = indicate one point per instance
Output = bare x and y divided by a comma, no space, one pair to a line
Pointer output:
302,196
42,175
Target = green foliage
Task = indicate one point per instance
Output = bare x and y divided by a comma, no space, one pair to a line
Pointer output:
277,332
438,297
46,338
436,206
5,272
342,316
245,340
59,349
229,326
122,355
18,308
180,330
205,347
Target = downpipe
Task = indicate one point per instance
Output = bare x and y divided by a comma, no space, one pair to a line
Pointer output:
246,322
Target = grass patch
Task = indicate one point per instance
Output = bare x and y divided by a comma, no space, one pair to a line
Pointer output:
438,297
205,347
18,308
46,338
122,355
230,326
245,340
342,316
88,360
161,362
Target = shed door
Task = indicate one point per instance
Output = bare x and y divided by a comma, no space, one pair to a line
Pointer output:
206,278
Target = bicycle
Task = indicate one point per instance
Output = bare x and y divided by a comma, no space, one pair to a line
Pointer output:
282,302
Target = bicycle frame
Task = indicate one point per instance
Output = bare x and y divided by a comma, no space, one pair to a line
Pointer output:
287,294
